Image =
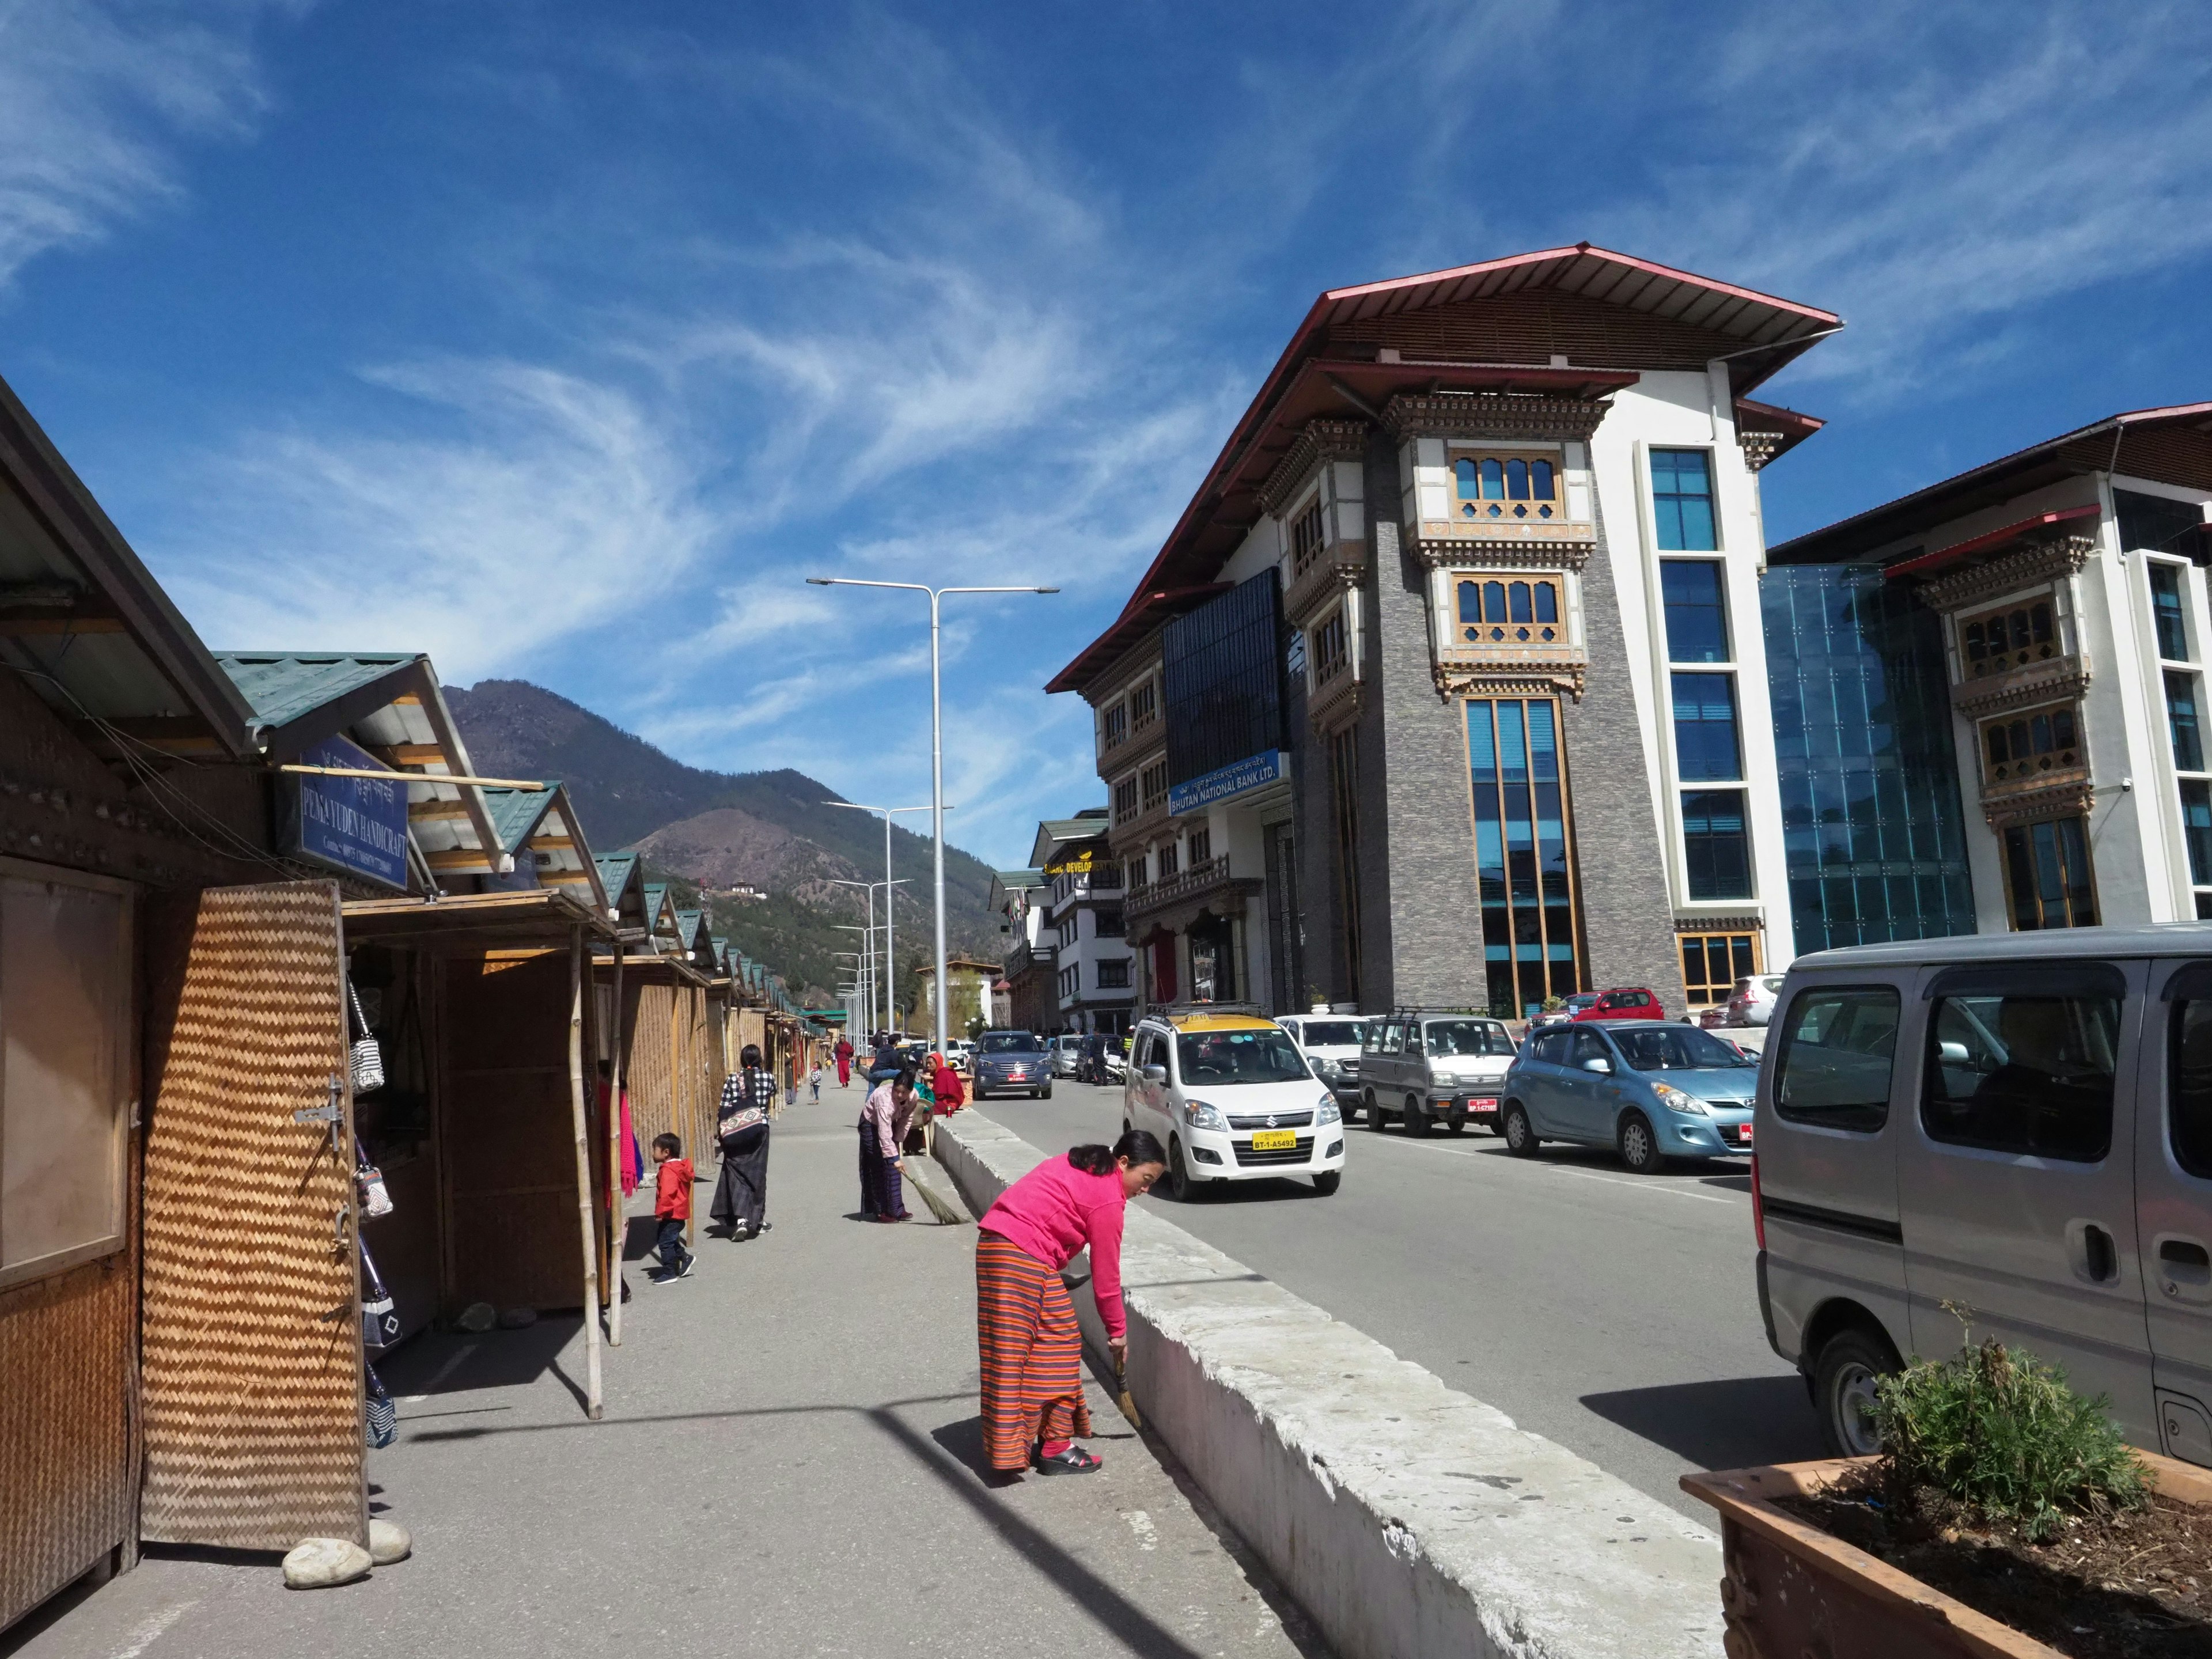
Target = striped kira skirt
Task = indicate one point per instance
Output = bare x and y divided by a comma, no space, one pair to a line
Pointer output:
1032,1352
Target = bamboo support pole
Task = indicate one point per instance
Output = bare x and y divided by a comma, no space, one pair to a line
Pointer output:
586,1209
617,1218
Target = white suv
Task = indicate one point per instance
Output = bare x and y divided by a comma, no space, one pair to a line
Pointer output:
1232,1099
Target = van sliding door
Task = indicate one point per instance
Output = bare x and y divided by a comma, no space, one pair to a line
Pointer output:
2173,1188
2016,1189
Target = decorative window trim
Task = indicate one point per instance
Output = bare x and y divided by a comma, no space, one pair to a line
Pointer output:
1511,668
1321,441
2031,566
1491,415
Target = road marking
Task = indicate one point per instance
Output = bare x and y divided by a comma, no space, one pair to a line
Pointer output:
151,1631
1148,1536
452,1363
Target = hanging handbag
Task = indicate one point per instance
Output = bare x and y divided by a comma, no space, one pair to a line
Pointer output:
367,1059
379,1319
380,1422
369,1184
741,1108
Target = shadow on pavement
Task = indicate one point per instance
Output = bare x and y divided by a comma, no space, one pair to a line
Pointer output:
453,1362
1730,1422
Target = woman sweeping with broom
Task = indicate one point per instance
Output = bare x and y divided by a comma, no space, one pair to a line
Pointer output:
1032,1348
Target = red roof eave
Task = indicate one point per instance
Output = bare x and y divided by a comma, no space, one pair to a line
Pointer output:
1943,556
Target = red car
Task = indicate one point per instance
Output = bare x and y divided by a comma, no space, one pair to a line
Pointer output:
1624,1002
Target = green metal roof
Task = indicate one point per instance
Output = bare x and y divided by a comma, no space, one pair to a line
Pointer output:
690,924
617,871
515,813
282,685
1076,828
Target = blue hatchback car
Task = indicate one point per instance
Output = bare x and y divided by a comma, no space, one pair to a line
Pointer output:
1653,1090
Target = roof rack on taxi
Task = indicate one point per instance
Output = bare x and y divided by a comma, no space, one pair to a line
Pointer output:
1187,1010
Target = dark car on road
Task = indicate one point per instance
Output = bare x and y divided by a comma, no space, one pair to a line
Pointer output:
1012,1063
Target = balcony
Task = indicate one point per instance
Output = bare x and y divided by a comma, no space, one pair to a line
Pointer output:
1164,901
2022,684
1025,956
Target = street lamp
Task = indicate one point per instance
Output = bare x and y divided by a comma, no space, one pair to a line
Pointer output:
890,947
839,881
936,738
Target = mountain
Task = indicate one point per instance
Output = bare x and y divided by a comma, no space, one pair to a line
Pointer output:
768,830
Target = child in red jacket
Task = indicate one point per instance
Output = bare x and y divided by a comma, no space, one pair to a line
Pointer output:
672,1208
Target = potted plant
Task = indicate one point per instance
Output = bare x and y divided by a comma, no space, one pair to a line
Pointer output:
2003,1517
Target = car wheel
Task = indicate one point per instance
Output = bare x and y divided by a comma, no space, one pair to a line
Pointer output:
1639,1144
1180,1187
1327,1181
979,1093
1520,1133
1418,1121
1374,1108
1455,1124
1851,1362
1047,1091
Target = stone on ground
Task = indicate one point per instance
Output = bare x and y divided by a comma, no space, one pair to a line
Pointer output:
517,1319
477,1318
319,1563
389,1541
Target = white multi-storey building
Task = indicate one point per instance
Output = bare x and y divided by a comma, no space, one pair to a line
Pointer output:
1081,920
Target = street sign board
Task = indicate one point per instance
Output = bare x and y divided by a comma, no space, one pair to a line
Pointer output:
356,825
1224,783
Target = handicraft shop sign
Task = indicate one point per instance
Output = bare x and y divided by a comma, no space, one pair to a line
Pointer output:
357,825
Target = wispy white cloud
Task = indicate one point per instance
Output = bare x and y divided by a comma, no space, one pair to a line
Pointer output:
1930,170
547,507
94,97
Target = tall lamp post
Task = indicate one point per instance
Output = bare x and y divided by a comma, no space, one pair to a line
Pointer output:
883,978
890,944
936,738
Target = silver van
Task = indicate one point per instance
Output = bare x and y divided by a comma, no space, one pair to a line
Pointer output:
2019,1125
1331,1042
1433,1065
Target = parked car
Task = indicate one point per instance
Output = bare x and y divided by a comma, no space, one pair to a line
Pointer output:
1650,1089
1712,1018
1011,1062
1622,1002
2019,1124
1752,1001
1568,1008
1116,1056
1425,1067
960,1055
1232,1099
1066,1053
1330,1044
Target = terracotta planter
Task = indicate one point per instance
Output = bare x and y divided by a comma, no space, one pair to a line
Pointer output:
1791,1591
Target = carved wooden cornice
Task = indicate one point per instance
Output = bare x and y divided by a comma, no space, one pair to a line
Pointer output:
1322,441
2062,798
1326,577
1493,415
1521,679
1758,447
1335,703
2043,561
1499,551
2045,682
1736,924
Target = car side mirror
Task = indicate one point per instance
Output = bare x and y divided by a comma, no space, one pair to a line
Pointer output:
1951,1053
1156,1074
1600,1064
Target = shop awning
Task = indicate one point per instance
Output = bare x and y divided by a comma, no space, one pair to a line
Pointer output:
489,921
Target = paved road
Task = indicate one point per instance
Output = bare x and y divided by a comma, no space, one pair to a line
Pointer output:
788,1467
1613,1313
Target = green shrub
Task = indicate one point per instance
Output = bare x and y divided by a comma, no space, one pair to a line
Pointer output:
2002,1435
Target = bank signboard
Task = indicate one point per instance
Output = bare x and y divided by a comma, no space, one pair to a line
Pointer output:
356,825
1227,782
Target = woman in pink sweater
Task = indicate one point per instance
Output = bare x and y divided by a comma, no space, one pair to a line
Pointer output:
1032,1348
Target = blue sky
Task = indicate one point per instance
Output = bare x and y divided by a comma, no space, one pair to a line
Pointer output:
563,341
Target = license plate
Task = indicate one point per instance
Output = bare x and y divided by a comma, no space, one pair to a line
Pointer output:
1743,1133
1275,1140
1485,1104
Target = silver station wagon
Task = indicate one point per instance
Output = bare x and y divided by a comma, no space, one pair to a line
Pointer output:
2016,1124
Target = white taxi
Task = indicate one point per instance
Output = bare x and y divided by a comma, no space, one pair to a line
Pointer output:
1232,1099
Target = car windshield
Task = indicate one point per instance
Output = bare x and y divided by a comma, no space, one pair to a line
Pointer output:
1678,1049
1582,1000
1331,1033
1010,1043
1214,1058
1468,1036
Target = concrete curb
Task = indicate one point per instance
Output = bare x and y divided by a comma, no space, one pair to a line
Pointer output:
944,1205
1409,1519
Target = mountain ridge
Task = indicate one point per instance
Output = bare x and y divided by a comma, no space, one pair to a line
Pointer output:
772,830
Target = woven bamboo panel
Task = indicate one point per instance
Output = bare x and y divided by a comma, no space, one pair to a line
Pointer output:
251,1348
65,1347
651,1073
509,1133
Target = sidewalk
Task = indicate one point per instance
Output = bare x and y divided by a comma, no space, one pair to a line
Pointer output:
788,1466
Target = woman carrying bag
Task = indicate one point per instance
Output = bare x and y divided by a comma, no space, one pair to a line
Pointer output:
741,1195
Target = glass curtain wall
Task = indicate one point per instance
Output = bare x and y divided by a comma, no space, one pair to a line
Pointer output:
2169,606
1523,866
1874,832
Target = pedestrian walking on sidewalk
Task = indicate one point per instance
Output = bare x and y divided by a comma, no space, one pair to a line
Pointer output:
814,1085
741,1129
883,1127
844,1062
1032,1348
672,1208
